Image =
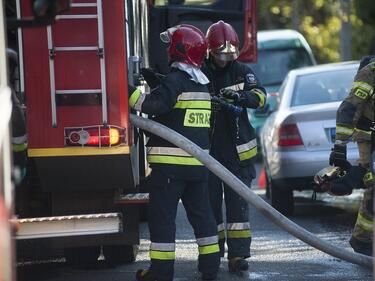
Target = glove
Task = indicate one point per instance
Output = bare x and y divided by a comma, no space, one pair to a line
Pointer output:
338,157
230,94
151,77
352,180
219,103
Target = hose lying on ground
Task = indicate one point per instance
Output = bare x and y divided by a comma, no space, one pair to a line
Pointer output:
239,187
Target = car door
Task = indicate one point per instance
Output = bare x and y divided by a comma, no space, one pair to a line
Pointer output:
241,14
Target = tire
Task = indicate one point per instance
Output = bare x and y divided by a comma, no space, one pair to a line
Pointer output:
282,200
83,257
268,185
119,254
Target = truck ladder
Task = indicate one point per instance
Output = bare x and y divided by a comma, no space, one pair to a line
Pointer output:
53,50
60,226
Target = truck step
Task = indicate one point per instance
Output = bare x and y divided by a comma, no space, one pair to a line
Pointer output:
133,198
76,225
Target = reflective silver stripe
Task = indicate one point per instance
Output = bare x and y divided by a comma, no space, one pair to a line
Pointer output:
165,247
138,104
220,227
175,151
236,87
363,86
207,240
194,96
246,146
19,140
238,226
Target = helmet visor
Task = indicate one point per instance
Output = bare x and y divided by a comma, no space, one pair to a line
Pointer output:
226,52
225,56
165,36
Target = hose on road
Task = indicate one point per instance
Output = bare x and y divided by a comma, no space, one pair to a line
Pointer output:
252,198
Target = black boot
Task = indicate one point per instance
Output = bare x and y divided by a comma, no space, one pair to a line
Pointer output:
237,264
361,247
148,275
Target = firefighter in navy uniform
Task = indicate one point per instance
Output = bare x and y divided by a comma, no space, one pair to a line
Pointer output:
182,103
233,142
355,121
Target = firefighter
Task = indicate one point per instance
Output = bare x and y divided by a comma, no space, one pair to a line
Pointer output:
355,121
234,87
18,124
182,103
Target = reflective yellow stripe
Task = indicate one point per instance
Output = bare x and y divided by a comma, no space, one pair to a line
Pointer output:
344,130
206,250
221,234
159,255
176,160
261,95
134,97
193,104
364,86
197,118
368,177
361,94
248,154
364,223
77,151
363,131
19,147
239,233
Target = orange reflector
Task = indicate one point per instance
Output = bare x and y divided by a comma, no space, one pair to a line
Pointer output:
114,136
262,179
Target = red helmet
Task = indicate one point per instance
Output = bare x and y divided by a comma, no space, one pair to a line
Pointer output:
187,44
223,41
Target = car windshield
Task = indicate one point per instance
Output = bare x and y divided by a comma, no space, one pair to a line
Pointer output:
322,87
274,64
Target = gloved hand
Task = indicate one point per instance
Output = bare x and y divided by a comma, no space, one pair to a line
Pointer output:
230,94
219,103
151,77
338,157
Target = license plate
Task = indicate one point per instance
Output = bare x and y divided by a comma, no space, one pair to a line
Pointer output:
332,134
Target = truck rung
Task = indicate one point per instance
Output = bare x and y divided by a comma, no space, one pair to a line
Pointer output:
47,227
83,91
76,17
133,198
83,48
82,5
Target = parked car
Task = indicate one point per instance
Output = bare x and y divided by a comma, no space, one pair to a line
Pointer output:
279,51
296,140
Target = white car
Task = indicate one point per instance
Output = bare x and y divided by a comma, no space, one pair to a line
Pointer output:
296,140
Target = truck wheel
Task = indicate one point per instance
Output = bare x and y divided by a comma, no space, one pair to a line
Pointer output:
119,254
282,200
83,257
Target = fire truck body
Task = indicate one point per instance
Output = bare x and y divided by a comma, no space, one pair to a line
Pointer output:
85,159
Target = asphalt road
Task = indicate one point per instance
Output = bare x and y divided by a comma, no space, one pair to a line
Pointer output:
276,255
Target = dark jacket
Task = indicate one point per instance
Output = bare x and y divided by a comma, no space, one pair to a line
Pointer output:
233,139
184,106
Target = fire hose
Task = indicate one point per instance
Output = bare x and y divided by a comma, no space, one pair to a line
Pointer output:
240,188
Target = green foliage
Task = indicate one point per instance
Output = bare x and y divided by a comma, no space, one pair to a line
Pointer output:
320,22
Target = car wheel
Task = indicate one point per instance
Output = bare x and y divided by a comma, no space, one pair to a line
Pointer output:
282,200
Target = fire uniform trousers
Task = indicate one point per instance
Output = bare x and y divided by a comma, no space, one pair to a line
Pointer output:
233,144
354,120
184,106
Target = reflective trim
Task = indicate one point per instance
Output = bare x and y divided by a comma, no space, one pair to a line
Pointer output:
206,250
194,96
220,227
247,146
235,87
248,154
221,235
20,139
174,160
239,233
166,247
238,226
361,94
134,97
138,104
175,151
197,118
364,223
193,104
261,95
344,130
207,240
368,177
19,147
363,131
159,255
364,86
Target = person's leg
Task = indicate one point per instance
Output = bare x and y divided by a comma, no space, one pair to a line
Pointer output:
197,206
238,225
164,196
215,191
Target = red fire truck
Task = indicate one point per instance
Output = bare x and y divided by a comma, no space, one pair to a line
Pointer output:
86,161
